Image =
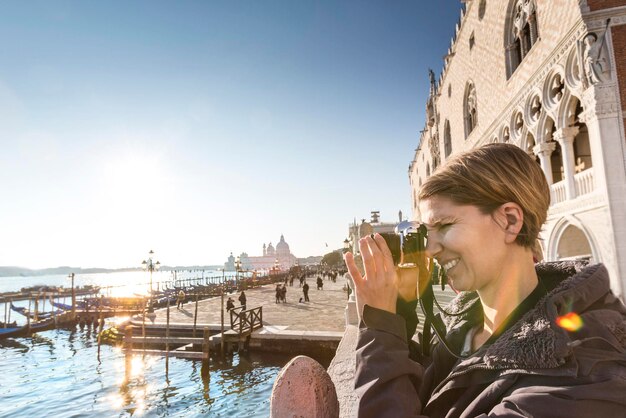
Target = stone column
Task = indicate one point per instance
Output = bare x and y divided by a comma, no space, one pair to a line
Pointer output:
565,138
602,116
544,150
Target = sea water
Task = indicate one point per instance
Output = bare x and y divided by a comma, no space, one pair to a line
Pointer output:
57,373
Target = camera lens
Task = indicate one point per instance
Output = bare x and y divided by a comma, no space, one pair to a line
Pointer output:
394,244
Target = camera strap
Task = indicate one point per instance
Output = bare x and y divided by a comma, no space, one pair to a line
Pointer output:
431,322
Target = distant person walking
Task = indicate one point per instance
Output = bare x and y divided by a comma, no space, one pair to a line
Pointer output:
283,294
242,300
230,304
305,290
181,299
320,283
279,293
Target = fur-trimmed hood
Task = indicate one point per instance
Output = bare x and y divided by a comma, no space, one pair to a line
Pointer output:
536,341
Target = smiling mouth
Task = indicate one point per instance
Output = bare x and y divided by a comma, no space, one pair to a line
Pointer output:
450,264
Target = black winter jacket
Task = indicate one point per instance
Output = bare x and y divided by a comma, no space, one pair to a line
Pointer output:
534,369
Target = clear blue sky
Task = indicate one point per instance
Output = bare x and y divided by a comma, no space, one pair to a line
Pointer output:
197,128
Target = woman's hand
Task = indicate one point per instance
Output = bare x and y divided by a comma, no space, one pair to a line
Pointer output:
379,287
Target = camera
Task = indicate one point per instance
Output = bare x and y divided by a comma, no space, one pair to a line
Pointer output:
407,243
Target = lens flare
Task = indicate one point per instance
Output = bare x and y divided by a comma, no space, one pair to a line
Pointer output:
570,322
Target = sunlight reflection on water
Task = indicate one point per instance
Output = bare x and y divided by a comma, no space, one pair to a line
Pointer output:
57,374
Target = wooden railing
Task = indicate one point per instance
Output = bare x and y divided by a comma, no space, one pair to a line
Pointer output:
246,321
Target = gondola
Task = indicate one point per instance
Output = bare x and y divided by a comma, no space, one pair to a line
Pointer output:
79,305
40,315
21,331
13,331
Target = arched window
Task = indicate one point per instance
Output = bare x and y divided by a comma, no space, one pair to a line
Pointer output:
447,140
521,32
470,113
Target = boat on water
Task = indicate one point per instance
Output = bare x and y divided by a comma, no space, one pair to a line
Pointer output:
41,290
13,331
79,305
30,314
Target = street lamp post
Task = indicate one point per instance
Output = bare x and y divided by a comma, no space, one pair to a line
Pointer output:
151,266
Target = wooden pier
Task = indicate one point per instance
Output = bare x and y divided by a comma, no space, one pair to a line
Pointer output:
156,339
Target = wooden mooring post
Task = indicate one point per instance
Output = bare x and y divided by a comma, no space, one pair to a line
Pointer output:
167,339
195,316
204,371
222,325
143,326
129,349
101,328
28,317
36,317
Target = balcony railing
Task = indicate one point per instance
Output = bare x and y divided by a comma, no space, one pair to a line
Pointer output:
557,192
584,182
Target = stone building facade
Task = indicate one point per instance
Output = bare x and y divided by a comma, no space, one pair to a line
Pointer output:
550,77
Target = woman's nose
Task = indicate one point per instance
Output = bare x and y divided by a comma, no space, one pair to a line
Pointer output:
433,245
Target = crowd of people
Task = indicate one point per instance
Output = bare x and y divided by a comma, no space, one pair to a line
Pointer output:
281,288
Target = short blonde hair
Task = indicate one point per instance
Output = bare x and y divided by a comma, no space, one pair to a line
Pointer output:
491,175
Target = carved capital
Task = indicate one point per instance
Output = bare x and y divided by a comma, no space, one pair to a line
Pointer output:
544,148
566,135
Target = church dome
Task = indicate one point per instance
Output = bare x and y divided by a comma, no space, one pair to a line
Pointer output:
282,247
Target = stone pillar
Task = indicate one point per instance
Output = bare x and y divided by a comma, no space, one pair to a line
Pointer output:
602,115
565,138
544,150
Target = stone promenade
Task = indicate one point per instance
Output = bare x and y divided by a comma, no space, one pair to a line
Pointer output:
324,312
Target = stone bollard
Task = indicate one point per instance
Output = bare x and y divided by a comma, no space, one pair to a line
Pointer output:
303,389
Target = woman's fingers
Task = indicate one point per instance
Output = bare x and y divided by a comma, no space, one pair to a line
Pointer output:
352,268
385,252
369,264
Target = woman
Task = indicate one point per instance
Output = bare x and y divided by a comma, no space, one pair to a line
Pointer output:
508,357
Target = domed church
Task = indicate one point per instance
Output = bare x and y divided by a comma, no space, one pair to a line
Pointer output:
281,254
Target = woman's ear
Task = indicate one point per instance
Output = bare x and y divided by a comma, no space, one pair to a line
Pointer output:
513,215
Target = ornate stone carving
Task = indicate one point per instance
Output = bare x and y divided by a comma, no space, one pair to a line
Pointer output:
506,134
544,148
534,109
594,60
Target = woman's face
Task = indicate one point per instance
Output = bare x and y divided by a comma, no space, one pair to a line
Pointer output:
467,243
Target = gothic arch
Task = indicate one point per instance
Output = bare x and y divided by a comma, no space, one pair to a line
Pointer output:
573,72
571,231
566,115
518,127
527,143
554,91
521,32
569,117
533,110
447,139
470,108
